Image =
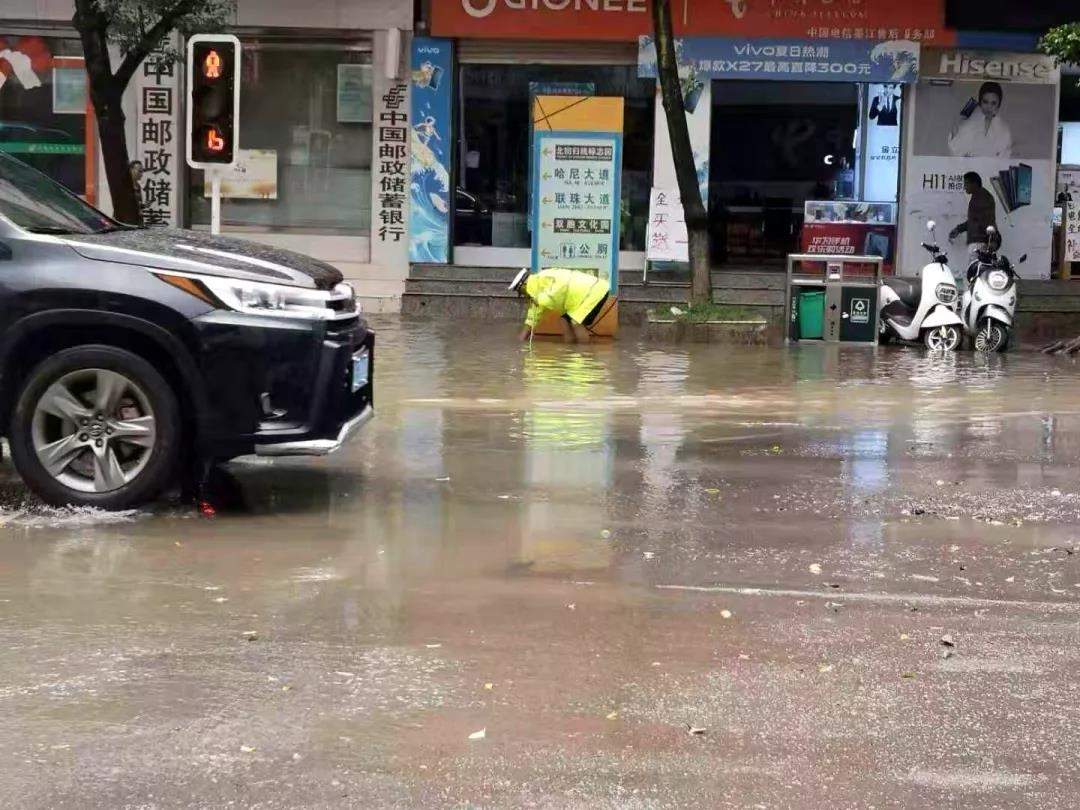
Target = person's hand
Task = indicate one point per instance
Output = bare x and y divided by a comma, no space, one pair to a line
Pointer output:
955,232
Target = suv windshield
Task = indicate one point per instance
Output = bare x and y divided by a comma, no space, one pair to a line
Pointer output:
34,202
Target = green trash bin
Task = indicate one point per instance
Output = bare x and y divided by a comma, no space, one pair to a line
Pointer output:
812,315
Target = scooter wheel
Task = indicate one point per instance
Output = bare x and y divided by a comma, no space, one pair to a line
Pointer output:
943,338
990,337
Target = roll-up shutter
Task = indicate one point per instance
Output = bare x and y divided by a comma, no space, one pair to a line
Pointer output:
532,52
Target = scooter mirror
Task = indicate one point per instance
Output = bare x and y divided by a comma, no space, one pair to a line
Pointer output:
990,229
1022,259
931,225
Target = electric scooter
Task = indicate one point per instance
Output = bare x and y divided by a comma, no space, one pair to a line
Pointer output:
989,302
922,308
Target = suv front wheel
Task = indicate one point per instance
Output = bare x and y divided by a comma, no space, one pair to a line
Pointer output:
95,426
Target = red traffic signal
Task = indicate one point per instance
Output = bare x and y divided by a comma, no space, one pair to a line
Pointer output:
213,100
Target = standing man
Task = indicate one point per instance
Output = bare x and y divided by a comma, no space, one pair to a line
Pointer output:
577,297
982,213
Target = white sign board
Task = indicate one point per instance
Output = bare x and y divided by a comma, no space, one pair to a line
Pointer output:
252,177
665,236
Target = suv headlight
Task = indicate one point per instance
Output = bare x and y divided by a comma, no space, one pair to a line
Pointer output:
260,298
997,279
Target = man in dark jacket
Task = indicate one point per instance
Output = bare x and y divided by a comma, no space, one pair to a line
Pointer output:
982,212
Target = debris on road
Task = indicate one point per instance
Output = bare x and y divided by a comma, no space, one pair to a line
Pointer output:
478,735
948,641
694,729
250,635
726,614
815,568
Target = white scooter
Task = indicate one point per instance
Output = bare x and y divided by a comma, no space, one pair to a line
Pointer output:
989,301
922,308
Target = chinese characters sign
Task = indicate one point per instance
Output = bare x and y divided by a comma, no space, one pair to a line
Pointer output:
156,139
1072,231
820,60
392,153
665,236
577,192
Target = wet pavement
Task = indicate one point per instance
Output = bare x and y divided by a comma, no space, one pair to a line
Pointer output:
614,576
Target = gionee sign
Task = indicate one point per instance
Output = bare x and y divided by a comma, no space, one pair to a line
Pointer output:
920,20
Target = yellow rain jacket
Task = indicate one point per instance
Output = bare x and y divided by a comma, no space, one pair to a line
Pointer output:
565,292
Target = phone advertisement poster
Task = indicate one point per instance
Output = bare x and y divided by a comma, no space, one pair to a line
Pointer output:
980,152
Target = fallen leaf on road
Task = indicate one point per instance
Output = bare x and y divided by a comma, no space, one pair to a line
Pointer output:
744,657
247,749
825,668
726,614
948,641
250,635
1010,579
907,675
489,686
815,568
478,735
904,636
612,716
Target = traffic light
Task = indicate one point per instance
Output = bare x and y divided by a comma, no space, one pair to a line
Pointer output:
213,102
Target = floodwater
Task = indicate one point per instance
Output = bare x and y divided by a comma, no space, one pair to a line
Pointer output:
620,575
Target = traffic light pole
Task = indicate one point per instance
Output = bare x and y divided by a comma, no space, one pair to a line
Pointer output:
215,201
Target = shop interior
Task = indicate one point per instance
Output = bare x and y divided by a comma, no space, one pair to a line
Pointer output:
777,145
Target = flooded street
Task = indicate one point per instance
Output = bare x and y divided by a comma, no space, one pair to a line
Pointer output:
651,576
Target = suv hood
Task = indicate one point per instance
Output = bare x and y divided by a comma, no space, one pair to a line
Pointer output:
197,252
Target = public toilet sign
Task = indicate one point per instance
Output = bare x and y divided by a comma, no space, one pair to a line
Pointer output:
576,188
822,60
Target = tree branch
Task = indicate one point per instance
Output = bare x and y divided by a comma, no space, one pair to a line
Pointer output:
167,23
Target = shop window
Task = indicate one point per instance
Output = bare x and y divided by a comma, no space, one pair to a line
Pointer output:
43,106
491,202
305,116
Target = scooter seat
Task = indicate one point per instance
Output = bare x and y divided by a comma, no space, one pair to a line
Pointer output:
908,290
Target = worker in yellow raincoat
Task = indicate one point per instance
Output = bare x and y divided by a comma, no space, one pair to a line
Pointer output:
577,297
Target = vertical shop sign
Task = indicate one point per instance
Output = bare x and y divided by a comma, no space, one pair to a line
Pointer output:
992,115
157,142
391,152
432,109
577,193
666,239
1072,231
577,152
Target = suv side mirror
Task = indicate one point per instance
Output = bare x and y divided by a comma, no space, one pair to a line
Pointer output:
931,225
1022,259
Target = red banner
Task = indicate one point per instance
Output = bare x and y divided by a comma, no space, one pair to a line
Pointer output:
851,239
625,20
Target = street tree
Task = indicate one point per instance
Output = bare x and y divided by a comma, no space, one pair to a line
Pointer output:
1063,42
136,28
682,153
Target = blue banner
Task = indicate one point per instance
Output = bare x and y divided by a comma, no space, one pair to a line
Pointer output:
431,105
815,60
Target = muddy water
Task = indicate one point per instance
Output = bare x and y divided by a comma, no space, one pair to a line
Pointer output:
581,551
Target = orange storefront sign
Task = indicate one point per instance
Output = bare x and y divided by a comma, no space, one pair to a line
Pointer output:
627,19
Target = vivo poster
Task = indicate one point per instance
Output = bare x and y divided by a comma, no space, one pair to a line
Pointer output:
430,192
577,191
820,60
993,116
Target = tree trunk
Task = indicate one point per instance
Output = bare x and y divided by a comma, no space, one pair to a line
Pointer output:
106,94
114,152
682,154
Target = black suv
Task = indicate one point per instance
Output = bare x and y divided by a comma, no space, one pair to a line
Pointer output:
126,353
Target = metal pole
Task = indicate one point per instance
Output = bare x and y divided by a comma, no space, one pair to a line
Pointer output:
215,201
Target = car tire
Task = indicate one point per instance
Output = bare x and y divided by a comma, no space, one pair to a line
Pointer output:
96,426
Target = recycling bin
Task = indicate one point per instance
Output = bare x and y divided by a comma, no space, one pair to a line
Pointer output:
832,298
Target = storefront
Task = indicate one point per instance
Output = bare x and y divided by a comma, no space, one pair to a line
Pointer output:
775,134
44,117
308,175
